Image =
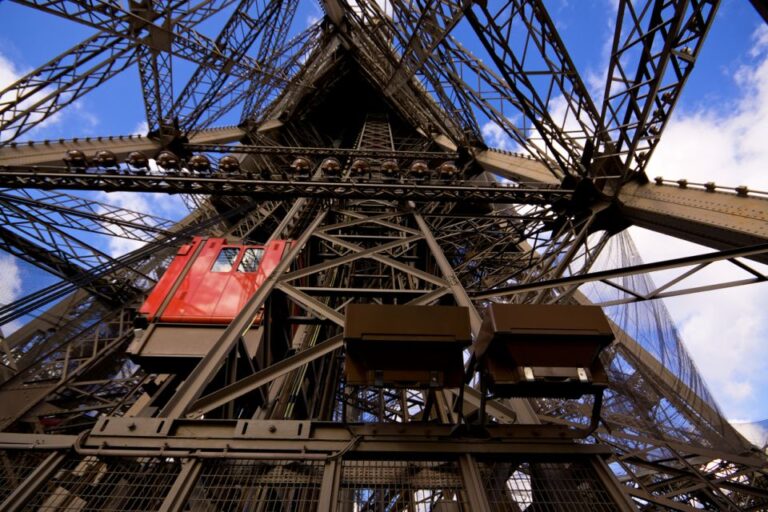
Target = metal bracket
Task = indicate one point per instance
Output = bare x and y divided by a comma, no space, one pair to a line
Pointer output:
132,427
274,429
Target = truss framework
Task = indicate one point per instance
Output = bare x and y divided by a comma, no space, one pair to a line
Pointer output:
265,416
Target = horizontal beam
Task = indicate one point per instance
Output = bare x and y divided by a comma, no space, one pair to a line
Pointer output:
310,151
512,166
51,152
15,178
232,439
755,252
359,292
660,500
715,219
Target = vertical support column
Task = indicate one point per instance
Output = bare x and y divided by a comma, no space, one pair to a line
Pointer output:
462,298
296,209
21,496
206,369
329,487
182,487
612,486
578,237
522,408
473,483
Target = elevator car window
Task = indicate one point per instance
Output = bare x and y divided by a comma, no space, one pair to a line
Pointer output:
225,260
251,259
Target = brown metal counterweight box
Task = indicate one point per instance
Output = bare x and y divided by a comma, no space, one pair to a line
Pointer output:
553,341
405,346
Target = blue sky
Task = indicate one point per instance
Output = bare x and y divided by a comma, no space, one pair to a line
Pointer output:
717,133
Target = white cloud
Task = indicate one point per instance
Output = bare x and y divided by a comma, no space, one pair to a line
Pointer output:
760,38
729,149
142,128
78,113
8,75
595,76
385,6
89,118
725,336
496,137
10,288
118,246
8,72
757,433
162,205
10,284
724,331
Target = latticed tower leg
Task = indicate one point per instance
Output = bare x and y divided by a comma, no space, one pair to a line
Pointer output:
203,372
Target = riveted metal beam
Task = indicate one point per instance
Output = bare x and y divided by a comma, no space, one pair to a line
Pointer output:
715,219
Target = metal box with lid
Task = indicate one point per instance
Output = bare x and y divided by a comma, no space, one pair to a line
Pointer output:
405,346
543,350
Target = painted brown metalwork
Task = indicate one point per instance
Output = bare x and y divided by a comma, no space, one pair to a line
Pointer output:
359,142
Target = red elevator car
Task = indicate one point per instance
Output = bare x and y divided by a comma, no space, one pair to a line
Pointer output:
205,287
209,281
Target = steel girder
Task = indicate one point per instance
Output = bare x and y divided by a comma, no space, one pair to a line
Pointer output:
376,246
155,65
426,25
155,70
286,61
257,92
280,188
321,152
415,32
704,214
515,167
538,70
241,31
180,40
697,263
36,240
46,90
56,214
56,84
72,212
661,40
52,152
370,42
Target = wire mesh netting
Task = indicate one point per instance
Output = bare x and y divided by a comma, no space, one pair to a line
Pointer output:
86,484
544,487
15,466
400,486
679,407
244,486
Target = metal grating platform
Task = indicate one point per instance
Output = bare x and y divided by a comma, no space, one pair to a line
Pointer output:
400,486
91,484
245,486
15,466
544,487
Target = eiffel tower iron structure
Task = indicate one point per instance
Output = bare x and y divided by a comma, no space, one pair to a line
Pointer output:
371,256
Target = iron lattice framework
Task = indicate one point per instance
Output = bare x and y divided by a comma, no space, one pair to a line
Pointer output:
265,420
